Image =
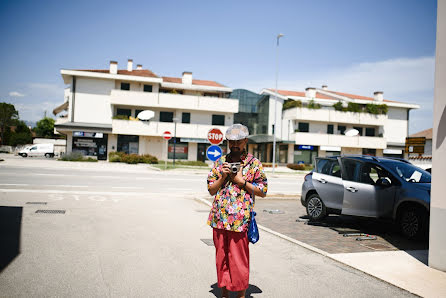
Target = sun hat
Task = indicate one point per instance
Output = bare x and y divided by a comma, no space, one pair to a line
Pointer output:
237,132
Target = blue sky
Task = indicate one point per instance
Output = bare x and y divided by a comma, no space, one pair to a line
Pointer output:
354,46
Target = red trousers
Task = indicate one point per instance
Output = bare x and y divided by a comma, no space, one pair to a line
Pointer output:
232,259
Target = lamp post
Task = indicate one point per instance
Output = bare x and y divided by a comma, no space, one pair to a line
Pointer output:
275,102
175,120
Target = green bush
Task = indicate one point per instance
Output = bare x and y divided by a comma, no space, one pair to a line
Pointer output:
338,106
115,156
290,103
191,163
372,109
383,109
297,167
77,156
131,158
354,107
314,106
147,158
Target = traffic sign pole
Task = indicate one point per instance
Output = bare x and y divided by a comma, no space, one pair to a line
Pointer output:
167,154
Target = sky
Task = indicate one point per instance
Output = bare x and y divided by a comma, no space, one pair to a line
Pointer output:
353,46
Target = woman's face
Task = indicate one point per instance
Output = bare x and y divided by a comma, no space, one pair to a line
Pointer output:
237,147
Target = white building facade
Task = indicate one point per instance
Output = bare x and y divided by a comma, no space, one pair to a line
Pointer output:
102,108
313,123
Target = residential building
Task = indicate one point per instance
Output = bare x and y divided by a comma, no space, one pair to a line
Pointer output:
102,106
313,123
423,160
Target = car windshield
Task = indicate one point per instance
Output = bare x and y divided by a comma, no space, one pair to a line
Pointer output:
409,172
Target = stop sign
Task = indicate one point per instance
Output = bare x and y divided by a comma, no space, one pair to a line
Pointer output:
167,135
215,136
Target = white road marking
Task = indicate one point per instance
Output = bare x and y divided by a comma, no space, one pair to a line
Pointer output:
5,184
127,187
79,192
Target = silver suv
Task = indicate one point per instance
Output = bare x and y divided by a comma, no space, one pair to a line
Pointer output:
370,187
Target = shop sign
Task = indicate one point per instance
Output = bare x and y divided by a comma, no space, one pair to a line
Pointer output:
98,135
305,147
178,149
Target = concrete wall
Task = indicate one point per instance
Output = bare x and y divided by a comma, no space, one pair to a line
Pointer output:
192,152
395,129
92,101
437,237
279,131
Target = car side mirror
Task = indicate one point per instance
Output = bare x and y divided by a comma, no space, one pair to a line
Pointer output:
384,181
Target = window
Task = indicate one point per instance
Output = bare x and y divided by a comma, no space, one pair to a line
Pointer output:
125,86
330,129
181,149
185,118
329,167
218,119
128,144
166,116
304,127
147,88
370,132
124,112
341,129
367,151
358,129
351,168
373,174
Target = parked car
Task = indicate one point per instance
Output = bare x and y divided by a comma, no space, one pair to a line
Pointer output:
369,186
46,150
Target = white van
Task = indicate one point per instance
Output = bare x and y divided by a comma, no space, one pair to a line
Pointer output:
46,150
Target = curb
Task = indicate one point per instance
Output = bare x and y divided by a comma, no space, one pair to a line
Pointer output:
317,250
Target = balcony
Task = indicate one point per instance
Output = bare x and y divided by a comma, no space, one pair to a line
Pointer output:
333,116
154,128
173,101
318,139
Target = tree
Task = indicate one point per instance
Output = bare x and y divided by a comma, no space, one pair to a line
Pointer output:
45,128
22,135
8,115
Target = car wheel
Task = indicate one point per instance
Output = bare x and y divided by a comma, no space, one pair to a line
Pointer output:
413,223
47,155
316,208
24,155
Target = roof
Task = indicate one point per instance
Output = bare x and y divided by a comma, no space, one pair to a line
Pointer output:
135,72
354,96
194,82
425,133
299,94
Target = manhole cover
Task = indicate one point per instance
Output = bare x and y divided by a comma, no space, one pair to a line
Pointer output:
36,203
208,242
377,246
51,211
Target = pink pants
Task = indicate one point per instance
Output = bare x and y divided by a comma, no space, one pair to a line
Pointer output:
232,259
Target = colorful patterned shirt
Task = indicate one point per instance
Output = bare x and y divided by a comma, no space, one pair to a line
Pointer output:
232,206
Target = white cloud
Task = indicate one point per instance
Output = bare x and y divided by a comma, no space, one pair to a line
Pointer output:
35,111
16,94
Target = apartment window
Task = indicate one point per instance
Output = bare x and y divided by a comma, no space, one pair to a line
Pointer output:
218,119
124,112
125,86
330,129
185,118
370,132
166,116
304,127
358,129
148,88
341,129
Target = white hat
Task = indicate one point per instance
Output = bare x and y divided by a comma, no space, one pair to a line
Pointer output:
237,132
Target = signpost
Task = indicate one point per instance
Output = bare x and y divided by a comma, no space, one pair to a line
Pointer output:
215,136
415,145
167,136
213,152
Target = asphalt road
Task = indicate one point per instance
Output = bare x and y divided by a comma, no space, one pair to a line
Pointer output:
139,234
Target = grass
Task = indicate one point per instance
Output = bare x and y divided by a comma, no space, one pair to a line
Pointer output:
181,165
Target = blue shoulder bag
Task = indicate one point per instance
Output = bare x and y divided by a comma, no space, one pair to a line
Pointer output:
253,231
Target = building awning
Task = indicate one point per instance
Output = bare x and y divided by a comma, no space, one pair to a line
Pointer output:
62,107
71,126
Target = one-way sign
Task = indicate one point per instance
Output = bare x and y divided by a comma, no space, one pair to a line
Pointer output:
213,152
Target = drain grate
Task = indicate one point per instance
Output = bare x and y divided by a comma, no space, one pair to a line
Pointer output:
51,211
36,203
208,242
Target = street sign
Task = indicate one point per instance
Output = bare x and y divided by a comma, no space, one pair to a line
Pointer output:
213,152
414,149
415,141
167,135
215,136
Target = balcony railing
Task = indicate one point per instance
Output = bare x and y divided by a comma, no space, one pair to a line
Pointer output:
155,128
333,116
173,101
317,139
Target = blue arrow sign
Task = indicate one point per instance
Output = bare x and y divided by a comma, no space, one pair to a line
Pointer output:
213,152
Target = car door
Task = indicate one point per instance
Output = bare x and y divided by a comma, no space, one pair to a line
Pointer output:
328,182
363,194
32,151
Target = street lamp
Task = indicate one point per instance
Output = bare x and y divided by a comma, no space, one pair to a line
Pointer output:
275,102
175,120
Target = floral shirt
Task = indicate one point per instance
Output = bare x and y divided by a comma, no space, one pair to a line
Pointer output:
232,206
